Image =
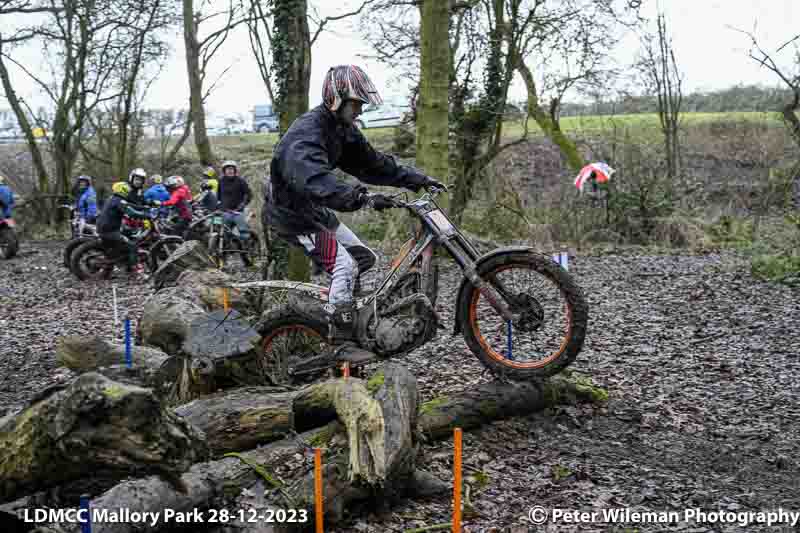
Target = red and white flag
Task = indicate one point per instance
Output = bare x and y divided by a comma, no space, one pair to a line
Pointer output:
602,173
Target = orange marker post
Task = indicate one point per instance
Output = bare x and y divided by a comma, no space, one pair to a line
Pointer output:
225,304
318,487
346,369
457,481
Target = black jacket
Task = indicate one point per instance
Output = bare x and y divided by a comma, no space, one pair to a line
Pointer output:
116,207
304,188
234,193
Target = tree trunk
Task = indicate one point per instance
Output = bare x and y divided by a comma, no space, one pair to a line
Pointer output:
292,65
241,419
96,426
433,150
196,108
550,127
84,354
43,185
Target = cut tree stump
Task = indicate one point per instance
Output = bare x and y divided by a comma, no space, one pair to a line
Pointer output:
95,427
221,334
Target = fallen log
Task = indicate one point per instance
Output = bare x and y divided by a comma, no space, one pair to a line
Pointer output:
243,418
93,425
191,255
83,354
497,400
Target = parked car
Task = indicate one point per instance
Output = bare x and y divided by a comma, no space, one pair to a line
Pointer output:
264,119
382,116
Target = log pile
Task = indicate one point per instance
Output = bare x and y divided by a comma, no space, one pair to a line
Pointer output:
163,435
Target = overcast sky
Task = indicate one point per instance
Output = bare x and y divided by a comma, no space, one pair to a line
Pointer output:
709,52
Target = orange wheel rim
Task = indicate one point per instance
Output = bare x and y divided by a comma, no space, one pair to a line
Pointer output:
499,357
284,329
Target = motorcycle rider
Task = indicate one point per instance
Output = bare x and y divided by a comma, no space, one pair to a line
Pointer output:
109,226
136,181
181,199
156,191
6,198
234,195
305,190
86,205
208,195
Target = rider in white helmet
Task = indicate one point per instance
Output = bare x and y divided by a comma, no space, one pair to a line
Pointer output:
305,192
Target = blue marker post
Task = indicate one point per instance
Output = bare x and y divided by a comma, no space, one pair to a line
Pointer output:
128,359
85,515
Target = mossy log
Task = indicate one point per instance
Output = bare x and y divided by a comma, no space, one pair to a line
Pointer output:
83,354
497,400
369,450
378,455
242,418
93,426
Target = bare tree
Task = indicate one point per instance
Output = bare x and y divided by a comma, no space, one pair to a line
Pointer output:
791,79
83,43
659,69
199,53
117,124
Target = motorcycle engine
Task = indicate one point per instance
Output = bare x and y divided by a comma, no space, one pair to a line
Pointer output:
398,333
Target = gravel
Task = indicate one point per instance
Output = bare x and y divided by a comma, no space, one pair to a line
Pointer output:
700,360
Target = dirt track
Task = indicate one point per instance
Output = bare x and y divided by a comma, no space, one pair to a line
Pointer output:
700,361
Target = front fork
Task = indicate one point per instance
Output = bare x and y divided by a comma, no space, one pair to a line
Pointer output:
467,262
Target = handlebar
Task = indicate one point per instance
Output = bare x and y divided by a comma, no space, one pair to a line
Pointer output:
431,193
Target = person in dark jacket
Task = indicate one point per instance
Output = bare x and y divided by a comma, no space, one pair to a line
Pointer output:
208,196
234,195
109,226
304,190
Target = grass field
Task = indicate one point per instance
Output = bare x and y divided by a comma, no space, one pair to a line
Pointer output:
259,145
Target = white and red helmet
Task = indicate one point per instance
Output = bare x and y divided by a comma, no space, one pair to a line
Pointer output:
348,82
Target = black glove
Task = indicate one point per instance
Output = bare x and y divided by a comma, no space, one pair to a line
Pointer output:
433,183
379,202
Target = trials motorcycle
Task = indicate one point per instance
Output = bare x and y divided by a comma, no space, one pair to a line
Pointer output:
521,314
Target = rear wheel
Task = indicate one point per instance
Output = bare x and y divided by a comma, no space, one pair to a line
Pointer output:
549,310
288,339
90,261
71,246
8,243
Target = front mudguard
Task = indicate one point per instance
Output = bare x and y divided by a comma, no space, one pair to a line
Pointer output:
466,285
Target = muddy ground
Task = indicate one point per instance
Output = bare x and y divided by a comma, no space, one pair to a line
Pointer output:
701,362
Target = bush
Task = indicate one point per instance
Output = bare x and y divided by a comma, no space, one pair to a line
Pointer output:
777,267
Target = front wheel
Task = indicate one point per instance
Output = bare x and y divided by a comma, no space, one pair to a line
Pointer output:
549,316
